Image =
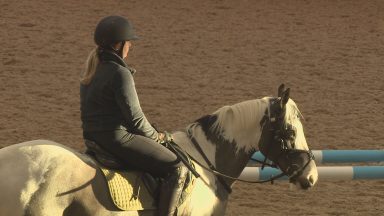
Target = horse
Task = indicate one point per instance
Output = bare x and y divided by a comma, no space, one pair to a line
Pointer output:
45,178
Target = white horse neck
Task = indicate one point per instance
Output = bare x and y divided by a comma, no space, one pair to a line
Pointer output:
228,137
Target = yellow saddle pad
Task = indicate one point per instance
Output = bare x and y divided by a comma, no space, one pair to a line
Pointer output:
128,190
129,193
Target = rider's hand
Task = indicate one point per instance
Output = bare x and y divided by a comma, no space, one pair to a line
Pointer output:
164,137
160,137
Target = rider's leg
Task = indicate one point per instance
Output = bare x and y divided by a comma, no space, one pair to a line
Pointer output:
146,154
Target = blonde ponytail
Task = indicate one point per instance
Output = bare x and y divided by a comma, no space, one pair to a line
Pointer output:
90,67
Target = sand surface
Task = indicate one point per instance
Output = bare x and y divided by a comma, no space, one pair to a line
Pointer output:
196,56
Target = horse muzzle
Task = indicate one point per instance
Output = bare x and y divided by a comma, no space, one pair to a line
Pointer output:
308,177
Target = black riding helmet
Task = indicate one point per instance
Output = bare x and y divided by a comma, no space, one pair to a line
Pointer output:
113,29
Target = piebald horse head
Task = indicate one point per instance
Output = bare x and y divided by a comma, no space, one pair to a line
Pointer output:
271,125
283,142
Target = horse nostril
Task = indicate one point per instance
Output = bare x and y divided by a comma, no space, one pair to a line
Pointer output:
305,184
311,180
308,182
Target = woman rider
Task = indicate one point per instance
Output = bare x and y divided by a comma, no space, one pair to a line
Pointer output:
112,117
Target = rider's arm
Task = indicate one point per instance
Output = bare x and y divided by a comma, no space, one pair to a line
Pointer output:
128,101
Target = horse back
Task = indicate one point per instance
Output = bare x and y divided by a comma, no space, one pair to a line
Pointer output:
46,178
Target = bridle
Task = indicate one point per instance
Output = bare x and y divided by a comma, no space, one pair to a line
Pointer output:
279,144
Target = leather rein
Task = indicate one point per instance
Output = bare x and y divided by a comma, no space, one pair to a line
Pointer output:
211,168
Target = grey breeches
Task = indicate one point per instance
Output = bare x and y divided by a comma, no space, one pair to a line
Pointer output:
137,152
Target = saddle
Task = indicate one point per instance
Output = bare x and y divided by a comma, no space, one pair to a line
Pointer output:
130,190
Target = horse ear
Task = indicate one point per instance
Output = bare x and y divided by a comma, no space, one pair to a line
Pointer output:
285,97
281,90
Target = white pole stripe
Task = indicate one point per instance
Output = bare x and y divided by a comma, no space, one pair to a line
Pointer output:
333,173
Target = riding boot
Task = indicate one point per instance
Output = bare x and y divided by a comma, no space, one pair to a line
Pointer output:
170,192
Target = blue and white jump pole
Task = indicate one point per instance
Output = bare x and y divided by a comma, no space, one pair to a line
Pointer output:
340,156
325,173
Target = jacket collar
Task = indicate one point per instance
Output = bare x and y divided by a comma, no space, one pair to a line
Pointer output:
109,55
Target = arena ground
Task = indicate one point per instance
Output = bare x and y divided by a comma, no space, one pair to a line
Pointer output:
196,56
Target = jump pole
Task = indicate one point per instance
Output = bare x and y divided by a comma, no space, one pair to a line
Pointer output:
331,173
340,156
